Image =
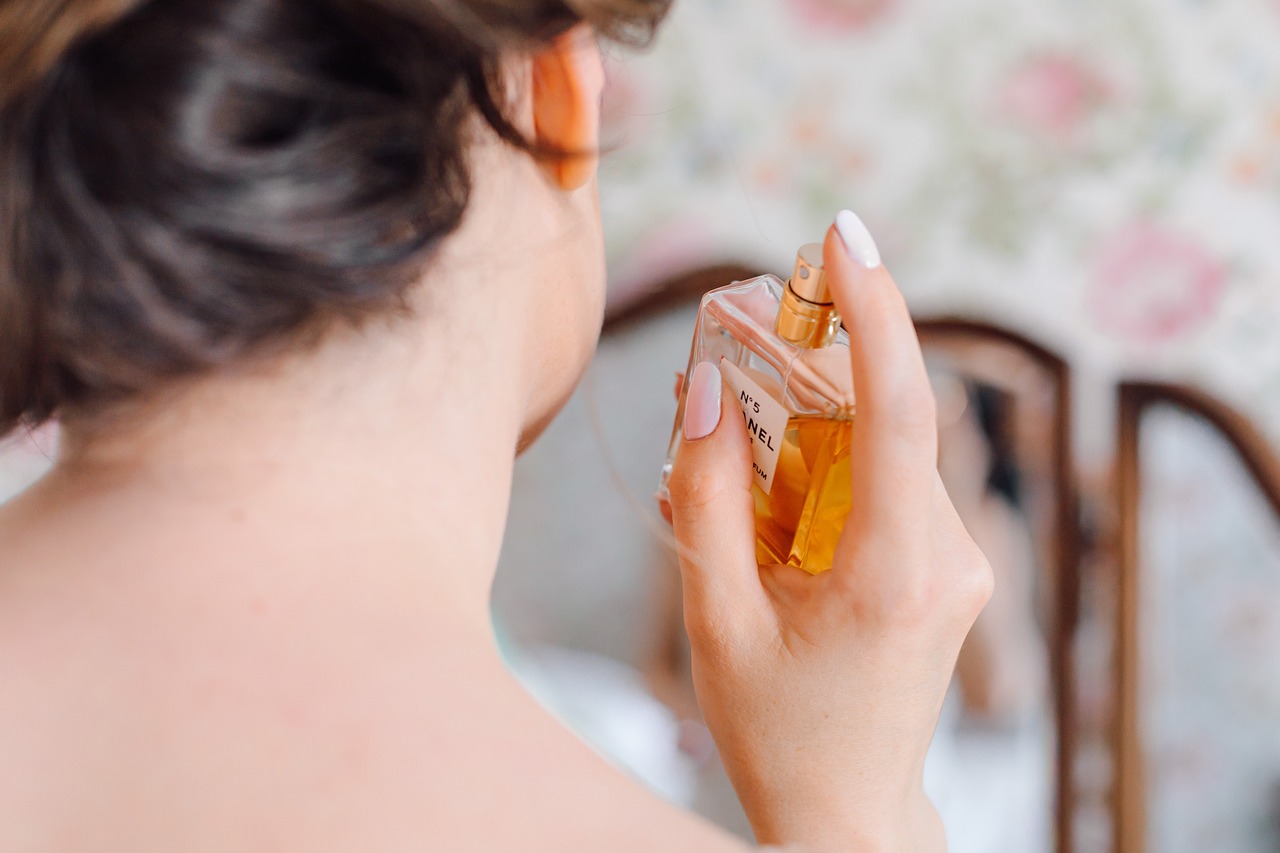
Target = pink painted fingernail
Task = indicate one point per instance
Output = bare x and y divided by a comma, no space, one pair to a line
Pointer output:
857,239
702,406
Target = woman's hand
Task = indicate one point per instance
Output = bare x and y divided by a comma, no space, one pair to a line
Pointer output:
822,692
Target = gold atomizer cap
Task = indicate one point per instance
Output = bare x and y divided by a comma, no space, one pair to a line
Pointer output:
807,317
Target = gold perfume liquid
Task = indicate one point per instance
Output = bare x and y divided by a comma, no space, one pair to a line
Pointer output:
799,522
781,350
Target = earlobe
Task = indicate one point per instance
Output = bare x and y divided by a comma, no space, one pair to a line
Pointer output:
568,78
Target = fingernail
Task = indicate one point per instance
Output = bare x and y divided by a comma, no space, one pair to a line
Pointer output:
702,406
857,239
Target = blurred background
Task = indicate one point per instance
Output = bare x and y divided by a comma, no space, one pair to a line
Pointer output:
1081,200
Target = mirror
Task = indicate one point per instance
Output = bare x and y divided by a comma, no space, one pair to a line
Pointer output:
587,595
1198,626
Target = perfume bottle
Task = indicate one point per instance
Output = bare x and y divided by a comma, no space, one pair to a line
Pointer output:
781,350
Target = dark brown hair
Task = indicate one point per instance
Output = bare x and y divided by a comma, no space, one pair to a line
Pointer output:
185,182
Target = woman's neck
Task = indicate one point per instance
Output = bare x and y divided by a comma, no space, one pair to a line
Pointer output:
353,444
399,436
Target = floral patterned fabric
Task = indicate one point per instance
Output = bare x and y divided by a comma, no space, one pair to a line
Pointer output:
1101,174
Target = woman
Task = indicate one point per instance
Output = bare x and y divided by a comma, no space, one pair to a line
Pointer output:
299,281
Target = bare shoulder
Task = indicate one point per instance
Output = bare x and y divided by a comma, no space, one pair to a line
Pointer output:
88,768
138,710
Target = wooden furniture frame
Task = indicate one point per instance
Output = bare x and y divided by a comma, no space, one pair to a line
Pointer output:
1136,399
1065,546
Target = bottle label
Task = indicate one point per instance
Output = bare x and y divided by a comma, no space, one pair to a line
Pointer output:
766,423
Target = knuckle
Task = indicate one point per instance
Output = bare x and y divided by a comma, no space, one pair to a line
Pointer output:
692,487
974,583
980,580
955,589
969,571
703,632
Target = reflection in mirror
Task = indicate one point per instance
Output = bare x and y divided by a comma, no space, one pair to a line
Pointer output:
587,599
1203,629
25,456
996,742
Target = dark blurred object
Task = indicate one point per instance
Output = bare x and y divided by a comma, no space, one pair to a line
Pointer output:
992,408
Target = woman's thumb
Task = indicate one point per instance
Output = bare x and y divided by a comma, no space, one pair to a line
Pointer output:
712,508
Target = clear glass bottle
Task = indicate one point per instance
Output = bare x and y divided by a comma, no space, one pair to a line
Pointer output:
780,347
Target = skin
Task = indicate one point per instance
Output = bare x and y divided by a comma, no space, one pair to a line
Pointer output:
822,693
1002,664
252,613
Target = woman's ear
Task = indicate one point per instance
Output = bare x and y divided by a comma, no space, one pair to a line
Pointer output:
568,82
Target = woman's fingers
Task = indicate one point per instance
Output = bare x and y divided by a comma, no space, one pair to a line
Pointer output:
713,512
824,726
664,505
664,508
895,435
